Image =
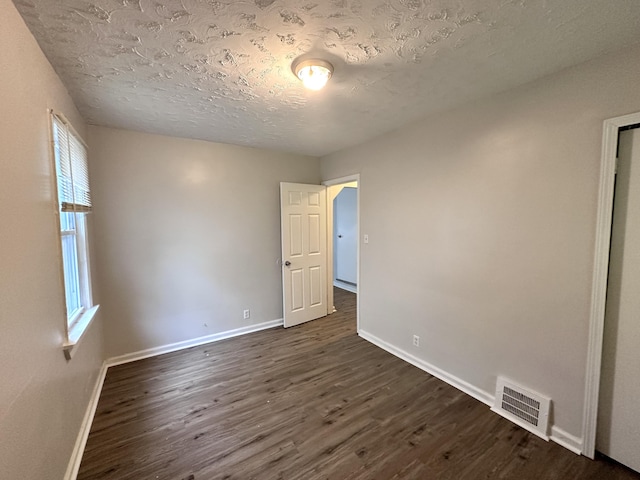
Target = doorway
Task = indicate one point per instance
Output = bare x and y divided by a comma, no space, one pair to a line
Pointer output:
345,238
618,434
611,131
343,218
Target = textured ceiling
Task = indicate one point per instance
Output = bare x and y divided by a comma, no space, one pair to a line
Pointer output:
221,70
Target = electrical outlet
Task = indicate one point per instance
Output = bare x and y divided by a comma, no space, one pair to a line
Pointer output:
246,314
416,341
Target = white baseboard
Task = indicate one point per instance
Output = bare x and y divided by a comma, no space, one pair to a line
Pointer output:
475,392
568,441
345,286
85,427
172,347
559,436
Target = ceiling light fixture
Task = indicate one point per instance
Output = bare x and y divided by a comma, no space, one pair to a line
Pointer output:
314,73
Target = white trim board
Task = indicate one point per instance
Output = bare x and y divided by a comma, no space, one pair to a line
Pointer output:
173,347
565,439
339,181
345,286
558,435
475,392
611,129
81,441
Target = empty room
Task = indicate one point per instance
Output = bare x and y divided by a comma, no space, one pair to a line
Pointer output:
342,239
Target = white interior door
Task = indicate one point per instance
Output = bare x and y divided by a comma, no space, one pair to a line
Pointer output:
303,210
618,432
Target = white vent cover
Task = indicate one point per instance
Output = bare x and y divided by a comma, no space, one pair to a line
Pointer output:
523,407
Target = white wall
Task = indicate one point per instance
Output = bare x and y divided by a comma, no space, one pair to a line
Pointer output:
481,226
43,397
188,234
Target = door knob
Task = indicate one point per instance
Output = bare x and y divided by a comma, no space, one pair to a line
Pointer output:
287,263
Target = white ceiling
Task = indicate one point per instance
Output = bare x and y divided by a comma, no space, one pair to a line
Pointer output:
220,70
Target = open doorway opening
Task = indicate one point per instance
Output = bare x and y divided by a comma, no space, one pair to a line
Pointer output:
343,234
345,238
618,424
608,164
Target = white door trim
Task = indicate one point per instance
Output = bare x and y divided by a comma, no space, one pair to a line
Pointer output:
341,180
330,183
600,273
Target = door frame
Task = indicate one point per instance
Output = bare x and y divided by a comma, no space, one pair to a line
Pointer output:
331,183
330,191
611,129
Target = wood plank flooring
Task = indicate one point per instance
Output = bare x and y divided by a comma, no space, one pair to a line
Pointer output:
309,402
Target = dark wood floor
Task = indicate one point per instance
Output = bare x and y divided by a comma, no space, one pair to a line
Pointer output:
310,402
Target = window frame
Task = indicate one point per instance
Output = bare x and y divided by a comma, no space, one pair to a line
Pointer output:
76,324
85,293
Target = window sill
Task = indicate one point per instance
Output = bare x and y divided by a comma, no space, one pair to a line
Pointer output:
77,332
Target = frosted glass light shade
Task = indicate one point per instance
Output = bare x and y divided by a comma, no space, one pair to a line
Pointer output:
314,73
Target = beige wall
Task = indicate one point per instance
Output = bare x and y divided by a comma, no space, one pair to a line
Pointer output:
43,397
481,225
188,234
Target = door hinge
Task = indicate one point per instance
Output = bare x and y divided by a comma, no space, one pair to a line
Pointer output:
615,171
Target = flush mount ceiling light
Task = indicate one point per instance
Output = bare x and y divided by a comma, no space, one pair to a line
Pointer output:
314,73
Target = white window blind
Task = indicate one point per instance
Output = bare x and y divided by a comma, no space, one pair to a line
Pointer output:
74,194
74,204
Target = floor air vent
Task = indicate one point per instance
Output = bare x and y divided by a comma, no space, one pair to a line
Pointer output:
528,409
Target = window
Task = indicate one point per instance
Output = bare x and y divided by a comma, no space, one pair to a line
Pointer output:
74,204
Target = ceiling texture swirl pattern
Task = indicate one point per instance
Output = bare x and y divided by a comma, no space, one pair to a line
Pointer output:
220,70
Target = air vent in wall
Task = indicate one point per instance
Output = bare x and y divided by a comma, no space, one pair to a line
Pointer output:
528,409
